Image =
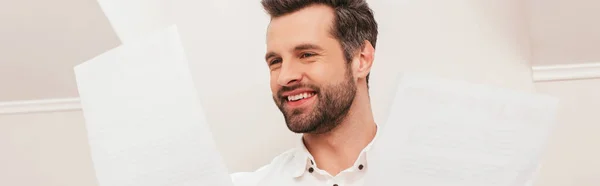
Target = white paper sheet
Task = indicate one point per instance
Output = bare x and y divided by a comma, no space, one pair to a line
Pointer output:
144,121
130,18
452,133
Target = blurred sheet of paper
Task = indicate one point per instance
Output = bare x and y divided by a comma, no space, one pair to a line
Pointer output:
452,133
144,121
130,18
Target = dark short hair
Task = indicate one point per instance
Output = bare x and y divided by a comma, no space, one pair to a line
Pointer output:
354,21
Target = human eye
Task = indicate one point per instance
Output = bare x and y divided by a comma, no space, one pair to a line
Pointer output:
307,55
274,61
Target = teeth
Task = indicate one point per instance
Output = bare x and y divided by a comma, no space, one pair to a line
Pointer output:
300,96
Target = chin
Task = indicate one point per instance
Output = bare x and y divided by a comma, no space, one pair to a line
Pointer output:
300,127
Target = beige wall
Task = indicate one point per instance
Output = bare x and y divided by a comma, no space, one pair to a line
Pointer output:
564,31
41,40
44,149
572,158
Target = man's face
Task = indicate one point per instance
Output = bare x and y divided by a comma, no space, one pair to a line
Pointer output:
311,82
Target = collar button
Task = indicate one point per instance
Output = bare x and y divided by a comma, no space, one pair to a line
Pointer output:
310,170
360,167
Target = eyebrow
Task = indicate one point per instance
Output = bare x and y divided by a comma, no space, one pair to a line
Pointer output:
297,48
307,46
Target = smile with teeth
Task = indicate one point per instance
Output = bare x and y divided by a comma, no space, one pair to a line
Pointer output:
300,96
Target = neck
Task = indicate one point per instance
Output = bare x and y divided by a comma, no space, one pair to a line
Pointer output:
339,148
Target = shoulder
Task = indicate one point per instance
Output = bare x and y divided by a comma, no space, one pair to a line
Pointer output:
275,168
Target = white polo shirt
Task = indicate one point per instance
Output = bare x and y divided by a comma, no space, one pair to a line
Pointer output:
297,167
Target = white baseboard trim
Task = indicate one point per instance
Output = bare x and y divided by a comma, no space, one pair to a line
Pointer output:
566,72
36,106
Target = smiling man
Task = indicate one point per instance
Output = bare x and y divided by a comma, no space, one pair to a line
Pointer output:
320,53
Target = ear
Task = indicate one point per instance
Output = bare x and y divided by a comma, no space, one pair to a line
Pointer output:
364,61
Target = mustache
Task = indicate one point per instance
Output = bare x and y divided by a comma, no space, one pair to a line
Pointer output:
294,87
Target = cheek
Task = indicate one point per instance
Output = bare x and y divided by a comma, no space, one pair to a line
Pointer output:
325,72
273,83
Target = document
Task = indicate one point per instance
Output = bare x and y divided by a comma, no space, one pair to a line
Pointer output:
453,133
144,120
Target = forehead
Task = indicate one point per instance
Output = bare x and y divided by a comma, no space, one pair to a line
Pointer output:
308,25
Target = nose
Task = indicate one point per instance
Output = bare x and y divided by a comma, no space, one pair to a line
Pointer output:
289,74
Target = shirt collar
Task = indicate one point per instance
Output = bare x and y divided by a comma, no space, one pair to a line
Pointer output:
303,160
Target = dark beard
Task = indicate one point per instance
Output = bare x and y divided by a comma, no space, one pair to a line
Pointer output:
333,103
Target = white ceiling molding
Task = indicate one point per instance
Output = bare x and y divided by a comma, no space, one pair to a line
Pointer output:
36,106
564,72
